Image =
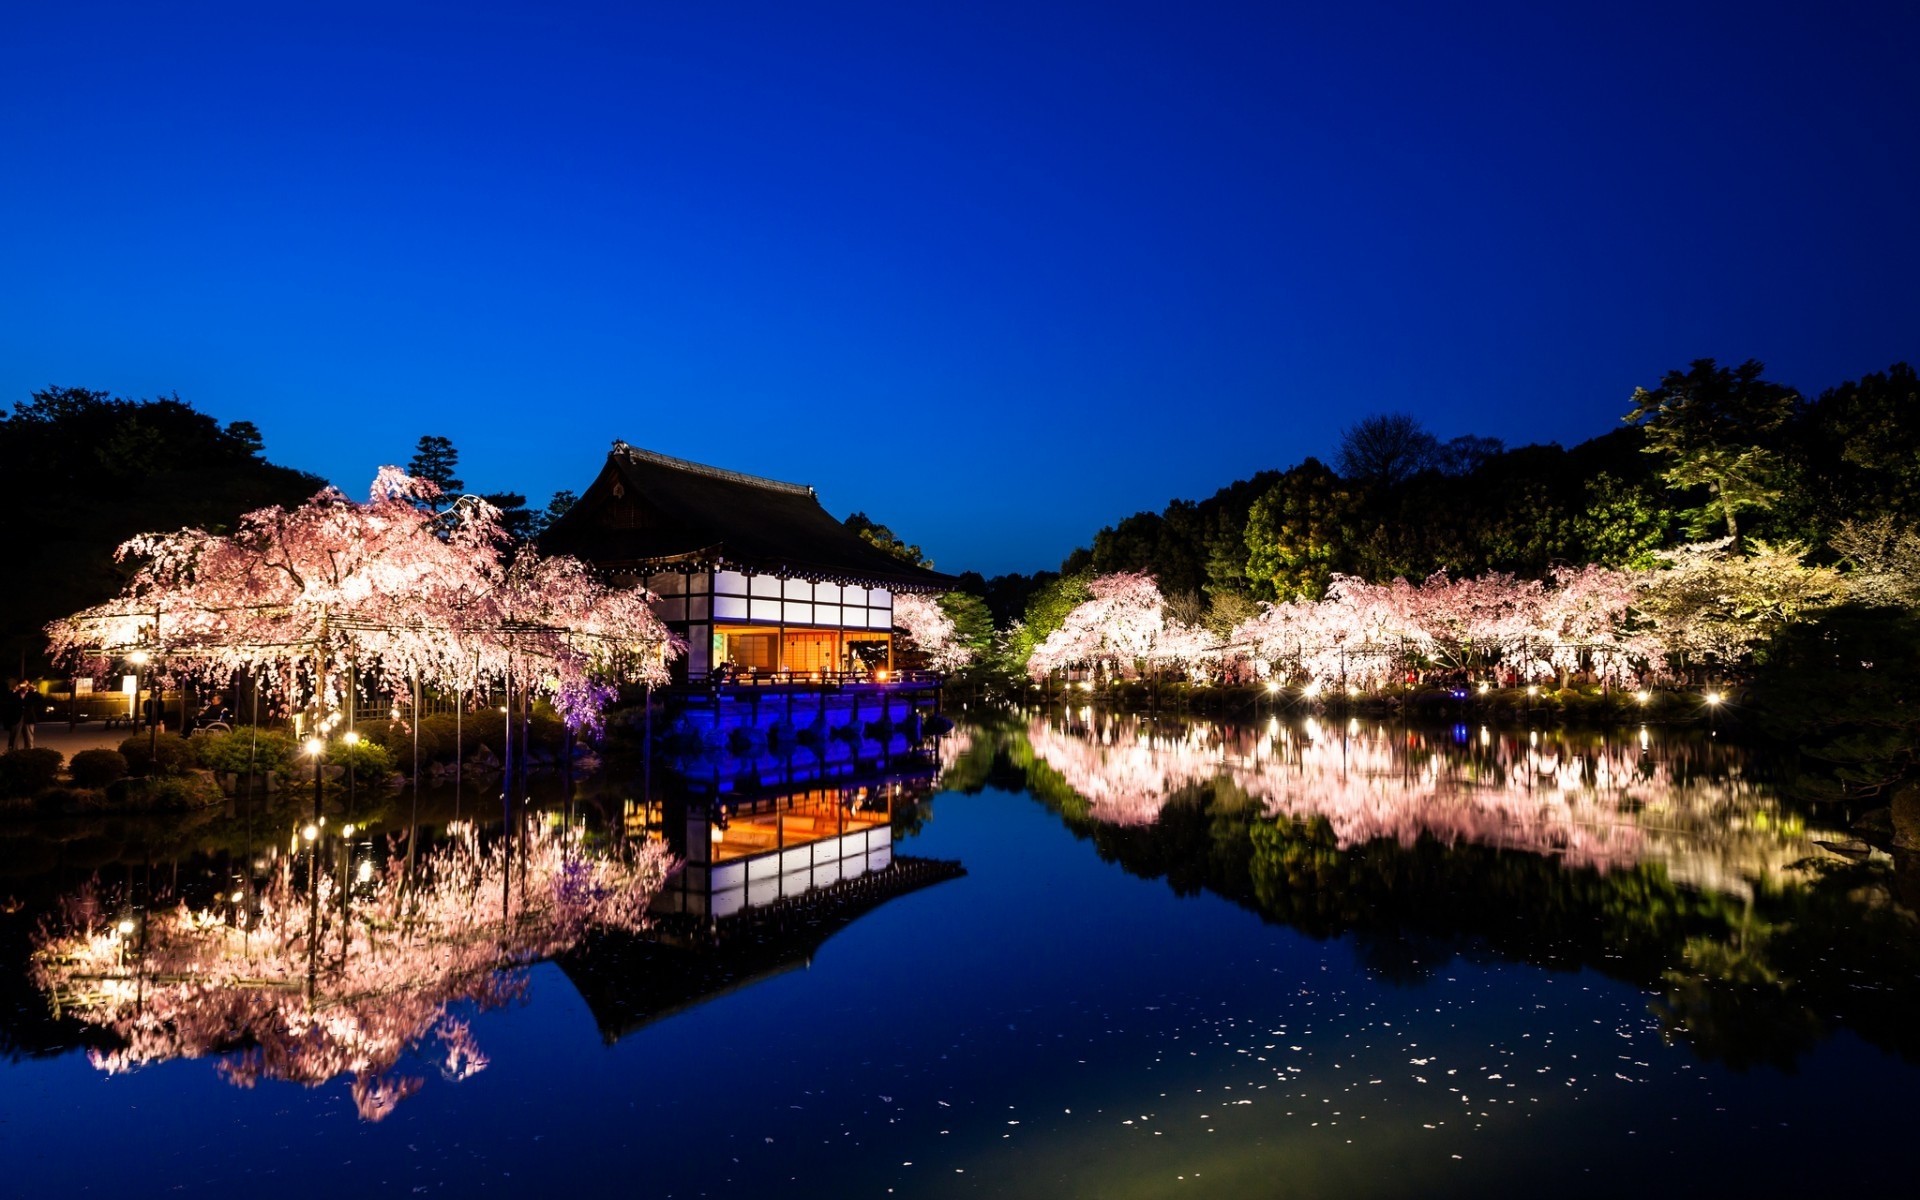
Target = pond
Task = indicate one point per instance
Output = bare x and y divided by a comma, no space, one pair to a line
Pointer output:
1101,956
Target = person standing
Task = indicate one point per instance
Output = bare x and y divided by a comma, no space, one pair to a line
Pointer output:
11,710
29,716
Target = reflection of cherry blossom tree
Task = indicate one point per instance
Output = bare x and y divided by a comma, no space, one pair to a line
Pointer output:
306,982
388,588
1599,803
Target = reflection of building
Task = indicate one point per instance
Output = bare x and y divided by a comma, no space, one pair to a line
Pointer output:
629,983
752,572
741,853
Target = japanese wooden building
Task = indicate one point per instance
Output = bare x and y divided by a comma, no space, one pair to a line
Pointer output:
762,582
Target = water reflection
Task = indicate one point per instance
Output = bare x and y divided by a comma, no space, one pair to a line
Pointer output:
331,961
1594,800
1652,859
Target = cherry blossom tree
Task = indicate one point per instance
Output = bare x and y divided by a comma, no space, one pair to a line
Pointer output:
301,599
931,631
1123,628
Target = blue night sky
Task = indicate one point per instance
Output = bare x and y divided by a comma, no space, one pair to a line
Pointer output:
997,274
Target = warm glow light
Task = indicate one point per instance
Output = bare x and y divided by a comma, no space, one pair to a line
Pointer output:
1312,689
1273,685
350,738
1643,697
238,897
1713,697
366,872
346,830
881,676
310,832
125,926
138,658
1483,689
315,746
1532,690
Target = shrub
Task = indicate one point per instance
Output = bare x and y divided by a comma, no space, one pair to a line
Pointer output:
97,768
268,749
167,754
167,793
24,772
66,801
369,760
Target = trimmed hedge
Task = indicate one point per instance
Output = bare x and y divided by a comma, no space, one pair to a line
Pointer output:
266,749
97,768
24,772
166,754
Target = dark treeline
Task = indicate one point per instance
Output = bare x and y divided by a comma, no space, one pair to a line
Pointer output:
88,470
1710,452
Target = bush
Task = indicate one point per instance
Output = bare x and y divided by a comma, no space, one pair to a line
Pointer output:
439,744
97,768
269,750
369,760
24,772
66,801
169,754
166,793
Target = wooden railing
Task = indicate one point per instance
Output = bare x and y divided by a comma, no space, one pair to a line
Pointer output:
821,679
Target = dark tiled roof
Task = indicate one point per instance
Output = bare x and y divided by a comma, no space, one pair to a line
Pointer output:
647,510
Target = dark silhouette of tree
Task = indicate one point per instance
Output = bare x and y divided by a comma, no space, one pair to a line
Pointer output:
879,535
88,470
1387,449
435,460
562,501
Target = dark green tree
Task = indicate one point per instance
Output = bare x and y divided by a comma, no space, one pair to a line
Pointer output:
515,517
89,470
1622,525
562,501
1297,534
434,459
1718,430
879,535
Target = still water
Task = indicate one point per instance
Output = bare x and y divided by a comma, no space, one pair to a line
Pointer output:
1101,957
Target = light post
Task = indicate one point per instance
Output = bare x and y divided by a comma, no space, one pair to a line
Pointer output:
139,660
352,740
1713,706
316,747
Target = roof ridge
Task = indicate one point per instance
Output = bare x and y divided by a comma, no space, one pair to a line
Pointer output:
694,468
